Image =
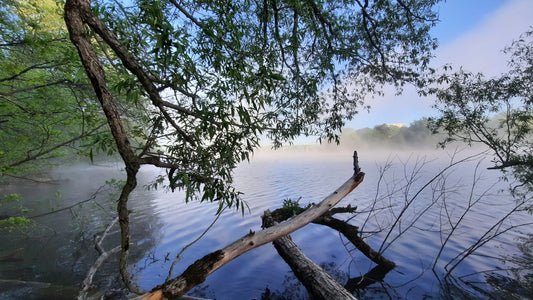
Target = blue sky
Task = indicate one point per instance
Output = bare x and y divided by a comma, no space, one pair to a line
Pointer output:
472,34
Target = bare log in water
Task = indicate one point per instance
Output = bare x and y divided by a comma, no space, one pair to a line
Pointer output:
317,282
103,255
199,270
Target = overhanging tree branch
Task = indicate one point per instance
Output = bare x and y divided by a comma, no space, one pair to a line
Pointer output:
130,62
43,152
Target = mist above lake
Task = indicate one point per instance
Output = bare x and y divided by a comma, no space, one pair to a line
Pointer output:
162,224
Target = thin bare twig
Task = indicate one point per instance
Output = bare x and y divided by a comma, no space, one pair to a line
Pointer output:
178,256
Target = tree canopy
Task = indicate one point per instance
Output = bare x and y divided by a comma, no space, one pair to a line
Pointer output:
192,87
221,75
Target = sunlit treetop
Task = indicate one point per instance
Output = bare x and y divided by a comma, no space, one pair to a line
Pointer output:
36,16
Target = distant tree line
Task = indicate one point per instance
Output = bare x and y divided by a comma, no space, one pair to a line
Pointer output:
416,135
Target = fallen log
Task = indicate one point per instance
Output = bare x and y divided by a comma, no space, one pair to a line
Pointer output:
351,232
288,251
15,256
18,289
199,270
317,282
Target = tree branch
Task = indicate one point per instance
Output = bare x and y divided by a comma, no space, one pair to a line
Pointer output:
35,66
128,60
44,152
87,282
512,163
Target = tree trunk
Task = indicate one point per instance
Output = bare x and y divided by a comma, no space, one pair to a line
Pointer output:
351,232
75,11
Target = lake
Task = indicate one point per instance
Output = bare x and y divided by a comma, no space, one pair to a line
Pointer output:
59,249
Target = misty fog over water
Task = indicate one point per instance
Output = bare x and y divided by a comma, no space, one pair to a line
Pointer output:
162,224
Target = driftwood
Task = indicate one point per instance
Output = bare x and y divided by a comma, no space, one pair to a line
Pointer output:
317,282
199,270
18,289
351,232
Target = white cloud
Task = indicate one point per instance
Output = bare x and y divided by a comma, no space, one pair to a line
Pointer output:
480,49
477,50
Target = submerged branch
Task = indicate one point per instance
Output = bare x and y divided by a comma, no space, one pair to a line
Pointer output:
103,256
352,234
178,256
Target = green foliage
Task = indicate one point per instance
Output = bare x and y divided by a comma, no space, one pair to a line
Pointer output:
14,221
47,108
229,73
11,223
10,198
496,112
292,208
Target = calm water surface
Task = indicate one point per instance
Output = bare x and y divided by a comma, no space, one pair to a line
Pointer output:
59,250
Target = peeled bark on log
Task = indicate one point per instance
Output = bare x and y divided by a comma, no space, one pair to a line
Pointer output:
198,271
317,282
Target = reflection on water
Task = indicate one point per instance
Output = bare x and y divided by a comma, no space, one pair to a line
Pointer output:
60,250
57,250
